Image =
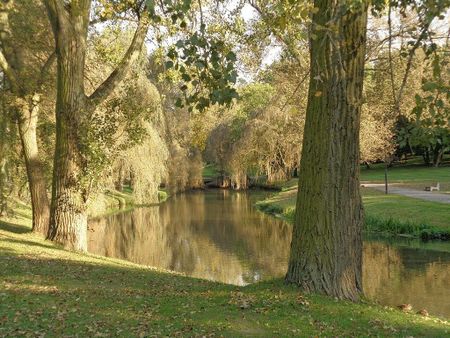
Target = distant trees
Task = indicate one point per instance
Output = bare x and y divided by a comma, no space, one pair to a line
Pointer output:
260,136
429,127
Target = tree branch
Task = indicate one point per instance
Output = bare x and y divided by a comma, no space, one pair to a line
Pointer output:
9,72
391,66
45,69
291,48
5,35
132,54
409,62
57,13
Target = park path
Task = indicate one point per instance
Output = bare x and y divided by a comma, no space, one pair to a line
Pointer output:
423,195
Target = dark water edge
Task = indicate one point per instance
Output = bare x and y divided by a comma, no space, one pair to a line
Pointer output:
219,235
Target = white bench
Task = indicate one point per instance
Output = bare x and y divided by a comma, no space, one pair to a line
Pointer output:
431,188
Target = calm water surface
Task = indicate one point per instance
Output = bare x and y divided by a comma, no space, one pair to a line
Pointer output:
219,235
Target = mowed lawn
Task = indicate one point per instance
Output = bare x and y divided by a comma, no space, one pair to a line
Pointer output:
411,175
376,204
45,290
406,209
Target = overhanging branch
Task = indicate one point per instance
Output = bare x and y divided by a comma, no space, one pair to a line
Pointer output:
132,54
9,72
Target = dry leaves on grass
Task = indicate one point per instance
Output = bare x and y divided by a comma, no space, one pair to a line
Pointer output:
242,300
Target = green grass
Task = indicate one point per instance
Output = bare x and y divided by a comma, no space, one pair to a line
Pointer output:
114,201
210,170
400,214
384,213
410,173
47,290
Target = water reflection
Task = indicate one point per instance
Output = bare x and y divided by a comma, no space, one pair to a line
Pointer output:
214,235
394,274
218,235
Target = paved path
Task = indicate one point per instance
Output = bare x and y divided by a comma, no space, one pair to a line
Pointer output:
423,195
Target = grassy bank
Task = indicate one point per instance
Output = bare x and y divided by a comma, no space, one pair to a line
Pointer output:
405,215
412,174
392,214
210,170
47,290
111,201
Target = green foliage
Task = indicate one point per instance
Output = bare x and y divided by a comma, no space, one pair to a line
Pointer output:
427,10
255,97
119,125
205,64
175,9
395,226
162,195
431,123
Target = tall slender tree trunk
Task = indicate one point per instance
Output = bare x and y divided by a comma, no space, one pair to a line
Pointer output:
438,151
326,249
3,160
27,121
24,85
68,217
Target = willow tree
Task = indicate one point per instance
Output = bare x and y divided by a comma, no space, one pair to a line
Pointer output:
25,72
71,184
72,176
326,246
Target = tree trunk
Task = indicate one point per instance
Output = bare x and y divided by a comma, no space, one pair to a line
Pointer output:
118,184
438,151
3,161
326,248
27,121
68,217
426,156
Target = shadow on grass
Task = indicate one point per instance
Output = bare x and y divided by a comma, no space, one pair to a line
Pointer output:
75,297
13,227
30,243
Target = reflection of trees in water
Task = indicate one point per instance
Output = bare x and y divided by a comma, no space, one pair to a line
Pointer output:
162,237
232,224
424,281
216,235
220,236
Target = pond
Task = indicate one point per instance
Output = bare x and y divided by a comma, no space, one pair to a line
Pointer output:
219,235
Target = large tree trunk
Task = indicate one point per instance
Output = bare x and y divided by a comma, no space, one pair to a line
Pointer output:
68,217
326,249
27,121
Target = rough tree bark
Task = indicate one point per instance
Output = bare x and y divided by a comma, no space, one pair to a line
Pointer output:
68,217
25,102
326,248
70,192
27,121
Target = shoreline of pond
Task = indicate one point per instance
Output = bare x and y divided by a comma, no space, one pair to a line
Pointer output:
282,205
